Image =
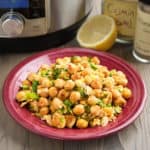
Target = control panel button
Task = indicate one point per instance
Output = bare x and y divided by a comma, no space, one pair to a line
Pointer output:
12,24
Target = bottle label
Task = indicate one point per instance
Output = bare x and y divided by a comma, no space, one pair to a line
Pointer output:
124,12
142,34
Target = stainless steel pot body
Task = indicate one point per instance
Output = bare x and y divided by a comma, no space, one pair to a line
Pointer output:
65,13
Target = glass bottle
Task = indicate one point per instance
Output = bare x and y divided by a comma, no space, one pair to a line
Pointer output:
142,34
124,12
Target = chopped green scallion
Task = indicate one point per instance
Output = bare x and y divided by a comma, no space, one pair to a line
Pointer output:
25,87
101,103
32,95
93,66
44,73
56,73
34,86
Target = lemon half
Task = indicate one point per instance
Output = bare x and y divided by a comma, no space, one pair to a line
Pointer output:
98,32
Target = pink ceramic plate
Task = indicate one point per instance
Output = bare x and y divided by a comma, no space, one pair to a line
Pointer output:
24,117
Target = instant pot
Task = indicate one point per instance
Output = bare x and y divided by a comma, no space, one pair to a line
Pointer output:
39,24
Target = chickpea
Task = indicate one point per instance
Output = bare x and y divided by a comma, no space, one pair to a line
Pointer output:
43,111
83,102
95,111
95,122
96,84
70,121
95,60
92,100
79,83
43,92
56,104
85,64
63,94
52,66
101,75
109,111
69,85
113,72
79,109
121,74
115,93
45,82
119,88
106,96
72,69
120,101
75,96
21,96
33,76
43,102
26,82
108,99
104,70
82,123
84,58
52,91
39,87
88,79
84,73
34,106
64,75
58,60
66,60
58,120
76,59
120,80
126,93
59,83
109,82
97,92
76,76
123,82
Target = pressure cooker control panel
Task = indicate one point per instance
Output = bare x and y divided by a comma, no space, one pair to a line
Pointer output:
24,18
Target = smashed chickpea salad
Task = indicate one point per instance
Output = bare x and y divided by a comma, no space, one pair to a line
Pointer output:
75,92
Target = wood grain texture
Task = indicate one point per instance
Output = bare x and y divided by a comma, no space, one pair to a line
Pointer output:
135,137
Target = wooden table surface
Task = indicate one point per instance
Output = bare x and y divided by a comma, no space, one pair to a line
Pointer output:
134,137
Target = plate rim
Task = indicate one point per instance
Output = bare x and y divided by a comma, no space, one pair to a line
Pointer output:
55,50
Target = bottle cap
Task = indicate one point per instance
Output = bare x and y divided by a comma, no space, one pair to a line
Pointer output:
145,1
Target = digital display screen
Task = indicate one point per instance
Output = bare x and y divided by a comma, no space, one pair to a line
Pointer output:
14,3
